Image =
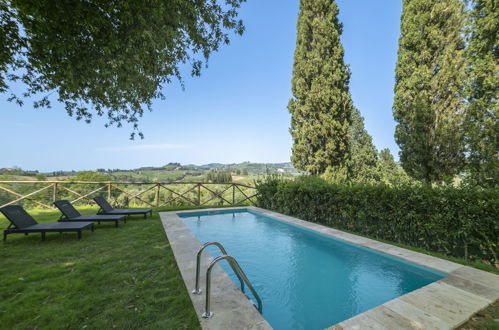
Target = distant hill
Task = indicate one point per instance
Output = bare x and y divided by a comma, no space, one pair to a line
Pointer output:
169,172
250,168
254,168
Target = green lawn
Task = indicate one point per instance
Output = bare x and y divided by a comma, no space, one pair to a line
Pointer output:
119,278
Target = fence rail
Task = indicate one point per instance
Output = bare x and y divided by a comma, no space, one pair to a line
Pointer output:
158,193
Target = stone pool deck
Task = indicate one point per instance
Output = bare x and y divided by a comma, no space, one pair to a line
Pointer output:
444,304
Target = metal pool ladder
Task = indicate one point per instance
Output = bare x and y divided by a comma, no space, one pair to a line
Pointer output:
235,267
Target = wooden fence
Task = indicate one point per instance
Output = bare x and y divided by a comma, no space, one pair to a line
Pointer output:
44,193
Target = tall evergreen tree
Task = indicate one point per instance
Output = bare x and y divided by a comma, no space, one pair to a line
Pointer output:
482,125
390,172
321,106
363,162
429,80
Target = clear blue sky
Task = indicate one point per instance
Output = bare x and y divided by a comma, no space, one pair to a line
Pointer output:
236,111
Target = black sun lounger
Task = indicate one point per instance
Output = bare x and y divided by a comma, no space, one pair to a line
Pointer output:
106,208
69,213
22,222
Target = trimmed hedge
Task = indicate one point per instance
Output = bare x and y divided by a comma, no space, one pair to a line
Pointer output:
455,221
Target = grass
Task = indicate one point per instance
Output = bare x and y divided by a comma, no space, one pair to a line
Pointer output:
121,278
487,319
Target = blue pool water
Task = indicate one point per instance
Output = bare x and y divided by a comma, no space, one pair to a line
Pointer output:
306,280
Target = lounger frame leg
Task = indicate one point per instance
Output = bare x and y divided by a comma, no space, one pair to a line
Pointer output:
43,235
116,223
5,235
79,234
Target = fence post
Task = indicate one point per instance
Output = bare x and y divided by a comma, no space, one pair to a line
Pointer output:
233,194
199,194
54,193
109,191
157,195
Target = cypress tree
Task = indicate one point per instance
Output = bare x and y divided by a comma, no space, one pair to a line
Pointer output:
482,125
428,87
321,104
390,172
363,162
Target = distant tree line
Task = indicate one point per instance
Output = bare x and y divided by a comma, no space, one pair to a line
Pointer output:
219,176
237,171
17,171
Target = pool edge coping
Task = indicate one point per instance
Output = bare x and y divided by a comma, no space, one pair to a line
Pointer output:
444,304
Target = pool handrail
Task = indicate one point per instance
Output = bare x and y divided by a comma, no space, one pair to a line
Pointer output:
237,269
197,290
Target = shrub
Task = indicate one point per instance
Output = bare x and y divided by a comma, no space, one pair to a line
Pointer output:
460,222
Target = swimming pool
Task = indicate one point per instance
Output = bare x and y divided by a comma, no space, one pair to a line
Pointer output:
306,280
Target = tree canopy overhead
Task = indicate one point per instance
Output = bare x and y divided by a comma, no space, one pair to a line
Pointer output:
108,57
